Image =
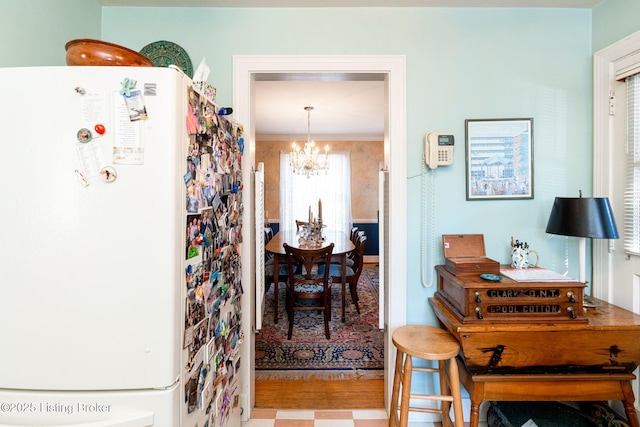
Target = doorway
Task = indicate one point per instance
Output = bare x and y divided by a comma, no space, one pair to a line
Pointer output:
393,264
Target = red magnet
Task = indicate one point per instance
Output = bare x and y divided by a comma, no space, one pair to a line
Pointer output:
99,128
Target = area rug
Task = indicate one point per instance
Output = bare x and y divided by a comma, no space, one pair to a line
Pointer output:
356,347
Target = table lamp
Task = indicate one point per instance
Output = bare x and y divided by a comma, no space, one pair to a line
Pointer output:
582,217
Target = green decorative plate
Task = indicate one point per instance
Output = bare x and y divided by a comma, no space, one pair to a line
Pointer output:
491,277
163,53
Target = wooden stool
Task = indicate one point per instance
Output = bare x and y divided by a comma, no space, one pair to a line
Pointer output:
429,343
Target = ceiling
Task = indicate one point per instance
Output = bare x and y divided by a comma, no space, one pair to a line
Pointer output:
350,109
588,4
345,106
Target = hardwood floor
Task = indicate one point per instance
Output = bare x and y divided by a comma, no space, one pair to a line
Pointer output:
320,394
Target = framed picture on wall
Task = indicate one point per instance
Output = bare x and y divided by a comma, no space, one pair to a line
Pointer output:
499,159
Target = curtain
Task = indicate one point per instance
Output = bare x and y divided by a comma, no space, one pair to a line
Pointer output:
333,187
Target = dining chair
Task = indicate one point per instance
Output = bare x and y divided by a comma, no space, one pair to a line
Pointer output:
353,272
354,234
268,235
308,289
269,266
337,259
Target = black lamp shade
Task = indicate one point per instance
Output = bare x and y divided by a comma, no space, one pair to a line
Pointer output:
582,217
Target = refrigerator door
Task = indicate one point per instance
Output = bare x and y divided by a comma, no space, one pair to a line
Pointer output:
91,278
157,408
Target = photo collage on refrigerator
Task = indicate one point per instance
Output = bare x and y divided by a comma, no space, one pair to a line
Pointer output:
213,335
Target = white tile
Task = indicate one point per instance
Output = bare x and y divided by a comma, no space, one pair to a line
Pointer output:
259,423
369,414
333,423
295,415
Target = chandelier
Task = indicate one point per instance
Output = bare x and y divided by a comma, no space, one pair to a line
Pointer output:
308,160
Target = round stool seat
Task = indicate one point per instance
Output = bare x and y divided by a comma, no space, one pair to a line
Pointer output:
435,345
426,342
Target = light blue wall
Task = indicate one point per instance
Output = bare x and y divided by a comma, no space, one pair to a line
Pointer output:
34,32
462,63
613,20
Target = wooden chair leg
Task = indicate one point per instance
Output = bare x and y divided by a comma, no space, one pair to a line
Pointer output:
290,332
327,314
327,333
290,301
353,288
276,279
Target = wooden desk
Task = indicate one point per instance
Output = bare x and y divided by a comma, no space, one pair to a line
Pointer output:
564,361
342,246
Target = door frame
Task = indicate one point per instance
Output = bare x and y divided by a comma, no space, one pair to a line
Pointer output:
605,103
604,79
393,68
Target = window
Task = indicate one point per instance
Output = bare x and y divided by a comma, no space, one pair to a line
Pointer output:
616,143
298,193
632,188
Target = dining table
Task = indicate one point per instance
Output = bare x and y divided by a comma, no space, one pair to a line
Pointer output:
342,245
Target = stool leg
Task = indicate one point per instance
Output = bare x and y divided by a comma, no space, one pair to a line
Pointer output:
397,377
454,378
445,390
406,391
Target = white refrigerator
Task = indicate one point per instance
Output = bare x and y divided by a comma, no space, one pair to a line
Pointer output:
114,309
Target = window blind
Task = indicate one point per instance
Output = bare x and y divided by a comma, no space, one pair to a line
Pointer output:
627,66
632,188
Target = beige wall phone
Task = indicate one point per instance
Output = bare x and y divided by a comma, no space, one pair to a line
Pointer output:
438,149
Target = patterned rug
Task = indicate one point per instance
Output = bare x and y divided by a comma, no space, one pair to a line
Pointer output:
356,347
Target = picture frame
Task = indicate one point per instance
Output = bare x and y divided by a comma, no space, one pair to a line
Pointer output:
499,159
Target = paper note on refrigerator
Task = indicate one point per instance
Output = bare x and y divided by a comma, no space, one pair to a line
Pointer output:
90,158
128,148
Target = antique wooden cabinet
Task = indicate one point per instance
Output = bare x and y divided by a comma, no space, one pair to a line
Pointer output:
465,254
609,342
535,341
548,360
473,299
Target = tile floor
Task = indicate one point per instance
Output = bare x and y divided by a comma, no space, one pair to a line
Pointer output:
312,418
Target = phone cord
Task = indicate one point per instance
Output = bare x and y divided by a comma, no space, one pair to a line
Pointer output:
425,236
